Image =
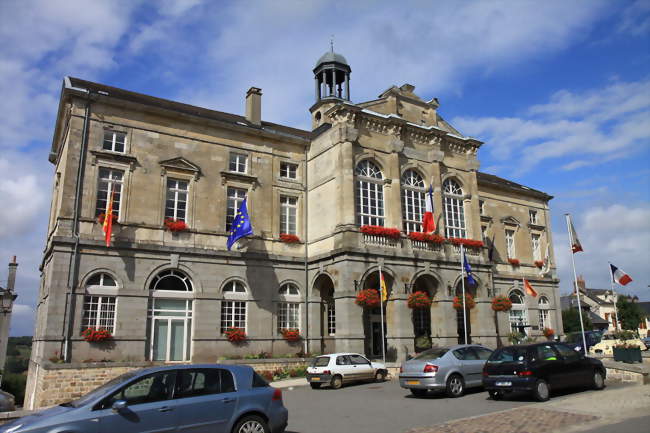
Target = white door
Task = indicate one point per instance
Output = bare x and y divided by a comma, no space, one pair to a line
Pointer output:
171,328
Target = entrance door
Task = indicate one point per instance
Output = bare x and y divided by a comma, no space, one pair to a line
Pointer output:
460,325
171,329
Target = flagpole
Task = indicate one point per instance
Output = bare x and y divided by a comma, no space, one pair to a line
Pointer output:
462,279
575,279
381,311
611,283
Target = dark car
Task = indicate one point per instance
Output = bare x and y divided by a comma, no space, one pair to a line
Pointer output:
199,398
539,368
574,339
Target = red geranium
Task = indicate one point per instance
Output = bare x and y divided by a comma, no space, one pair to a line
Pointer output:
513,262
501,303
235,335
96,335
469,302
539,263
548,332
426,237
418,300
467,242
175,225
289,239
291,335
381,231
368,298
102,216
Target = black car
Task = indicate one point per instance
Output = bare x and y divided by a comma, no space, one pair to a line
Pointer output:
574,340
539,368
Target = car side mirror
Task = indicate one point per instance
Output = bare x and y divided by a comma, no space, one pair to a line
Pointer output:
119,405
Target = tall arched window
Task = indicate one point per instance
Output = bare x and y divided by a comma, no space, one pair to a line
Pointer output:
454,211
544,316
413,190
370,194
233,307
518,314
99,308
173,280
288,307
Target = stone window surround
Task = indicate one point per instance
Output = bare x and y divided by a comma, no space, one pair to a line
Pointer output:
170,173
109,127
100,162
297,166
277,212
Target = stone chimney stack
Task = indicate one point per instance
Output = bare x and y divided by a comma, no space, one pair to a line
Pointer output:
11,278
254,106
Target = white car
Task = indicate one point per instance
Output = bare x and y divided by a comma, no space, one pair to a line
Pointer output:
339,368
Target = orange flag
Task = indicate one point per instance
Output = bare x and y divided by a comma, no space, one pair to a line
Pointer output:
108,220
529,288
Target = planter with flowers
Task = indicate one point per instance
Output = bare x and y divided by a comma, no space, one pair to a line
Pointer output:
368,298
289,239
426,237
470,243
501,303
629,353
96,335
102,216
513,262
175,226
548,333
291,335
236,335
385,232
539,263
418,300
469,302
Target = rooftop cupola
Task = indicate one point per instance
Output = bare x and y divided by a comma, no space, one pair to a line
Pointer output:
332,76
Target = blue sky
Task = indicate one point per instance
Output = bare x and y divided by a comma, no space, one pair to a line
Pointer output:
558,91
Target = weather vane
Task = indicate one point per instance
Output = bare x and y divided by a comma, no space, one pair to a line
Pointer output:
332,43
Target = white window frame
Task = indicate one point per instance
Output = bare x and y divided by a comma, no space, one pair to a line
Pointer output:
176,192
171,273
98,309
413,201
370,194
536,242
518,311
288,316
110,136
234,313
510,244
288,170
544,314
112,182
238,162
481,207
455,225
171,315
288,215
330,307
234,198
532,216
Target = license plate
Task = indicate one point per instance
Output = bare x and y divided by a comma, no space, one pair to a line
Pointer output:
412,382
315,379
503,384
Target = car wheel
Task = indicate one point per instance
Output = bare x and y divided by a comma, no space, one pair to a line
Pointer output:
336,382
495,395
419,392
455,386
541,392
598,380
251,424
380,376
315,385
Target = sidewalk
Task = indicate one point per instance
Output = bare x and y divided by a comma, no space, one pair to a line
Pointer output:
571,413
287,383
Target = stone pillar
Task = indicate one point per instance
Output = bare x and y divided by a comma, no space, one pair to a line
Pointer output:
333,92
347,86
392,193
349,323
324,80
438,208
317,88
399,332
345,185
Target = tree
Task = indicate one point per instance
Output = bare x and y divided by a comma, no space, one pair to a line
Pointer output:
629,313
571,320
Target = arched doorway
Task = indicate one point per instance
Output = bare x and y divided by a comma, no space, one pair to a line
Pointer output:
372,317
421,317
470,289
324,288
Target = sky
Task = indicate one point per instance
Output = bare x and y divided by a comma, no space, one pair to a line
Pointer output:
559,92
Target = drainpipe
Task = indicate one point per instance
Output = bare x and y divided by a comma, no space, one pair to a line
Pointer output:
305,226
66,349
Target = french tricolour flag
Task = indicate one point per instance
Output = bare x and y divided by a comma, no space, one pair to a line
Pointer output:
428,221
619,276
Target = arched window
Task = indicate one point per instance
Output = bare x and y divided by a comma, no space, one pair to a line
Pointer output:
172,280
413,204
454,210
288,312
98,309
289,289
101,279
233,311
234,286
370,194
544,316
518,315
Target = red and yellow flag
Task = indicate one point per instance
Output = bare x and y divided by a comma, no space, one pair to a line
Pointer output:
529,288
382,285
108,220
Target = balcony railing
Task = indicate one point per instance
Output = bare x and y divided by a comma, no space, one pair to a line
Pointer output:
381,241
427,246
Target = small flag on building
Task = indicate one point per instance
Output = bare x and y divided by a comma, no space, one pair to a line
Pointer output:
618,276
241,225
547,263
575,242
468,270
108,220
428,220
382,286
529,288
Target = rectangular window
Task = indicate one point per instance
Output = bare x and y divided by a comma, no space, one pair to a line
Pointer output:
176,202
454,218
422,322
370,203
518,319
233,314
288,210
331,318
484,236
288,170
413,207
537,250
481,207
99,312
109,183
114,141
235,197
510,243
238,162
288,316
532,214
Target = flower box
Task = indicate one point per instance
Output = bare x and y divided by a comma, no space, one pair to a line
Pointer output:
513,262
236,335
472,243
539,263
469,302
628,354
426,237
175,225
102,216
501,303
368,298
96,335
548,333
291,335
418,300
289,239
381,231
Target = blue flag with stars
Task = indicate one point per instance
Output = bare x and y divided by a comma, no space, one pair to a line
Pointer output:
468,270
241,225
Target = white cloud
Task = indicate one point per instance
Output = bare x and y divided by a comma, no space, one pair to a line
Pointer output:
22,320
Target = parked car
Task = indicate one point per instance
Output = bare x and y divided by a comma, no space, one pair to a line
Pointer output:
339,368
7,402
452,369
204,398
646,341
574,339
606,345
539,369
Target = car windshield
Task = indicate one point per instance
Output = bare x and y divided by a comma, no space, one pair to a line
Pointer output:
508,354
98,392
434,353
321,361
574,338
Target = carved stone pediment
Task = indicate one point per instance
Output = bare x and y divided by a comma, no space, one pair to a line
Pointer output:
181,164
510,221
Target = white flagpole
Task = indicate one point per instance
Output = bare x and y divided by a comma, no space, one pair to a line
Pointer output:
575,279
462,279
381,310
611,283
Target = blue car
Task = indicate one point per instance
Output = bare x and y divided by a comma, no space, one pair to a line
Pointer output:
182,398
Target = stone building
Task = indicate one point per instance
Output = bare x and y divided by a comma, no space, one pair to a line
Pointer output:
170,296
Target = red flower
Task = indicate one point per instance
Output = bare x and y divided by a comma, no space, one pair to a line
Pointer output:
467,242
426,237
291,335
368,298
418,300
513,262
469,302
539,263
102,216
501,303
289,239
548,332
381,231
175,225
235,335
96,335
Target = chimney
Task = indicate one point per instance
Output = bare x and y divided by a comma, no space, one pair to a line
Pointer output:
11,278
254,106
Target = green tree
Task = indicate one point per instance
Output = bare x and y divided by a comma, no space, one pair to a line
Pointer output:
629,313
571,320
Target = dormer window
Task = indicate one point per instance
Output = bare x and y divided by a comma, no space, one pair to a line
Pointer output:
238,163
114,141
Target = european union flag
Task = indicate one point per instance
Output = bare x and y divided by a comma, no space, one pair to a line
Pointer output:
468,270
241,225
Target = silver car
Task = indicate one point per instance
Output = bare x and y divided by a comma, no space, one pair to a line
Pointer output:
451,369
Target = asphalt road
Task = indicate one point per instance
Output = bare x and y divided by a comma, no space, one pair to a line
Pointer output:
632,425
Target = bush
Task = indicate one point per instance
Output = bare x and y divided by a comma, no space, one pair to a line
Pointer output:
15,384
298,371
268,375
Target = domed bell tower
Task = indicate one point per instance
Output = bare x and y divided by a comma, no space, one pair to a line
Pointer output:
332,85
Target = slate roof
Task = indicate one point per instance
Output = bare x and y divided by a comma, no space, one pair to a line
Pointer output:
492,180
